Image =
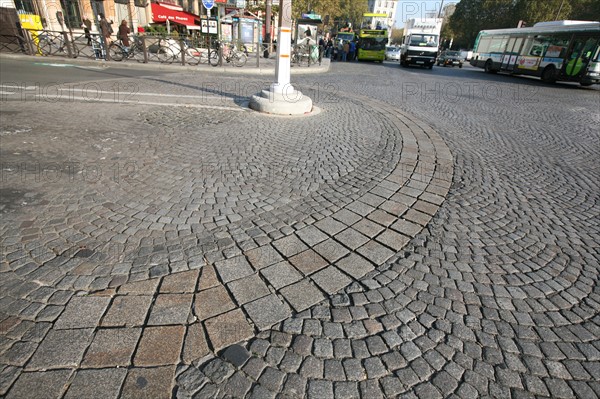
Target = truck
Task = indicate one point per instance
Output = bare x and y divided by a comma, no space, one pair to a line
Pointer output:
420,42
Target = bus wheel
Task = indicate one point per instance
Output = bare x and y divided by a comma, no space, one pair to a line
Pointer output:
549,74
488,67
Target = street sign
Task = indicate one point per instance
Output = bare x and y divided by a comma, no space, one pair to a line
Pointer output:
208,4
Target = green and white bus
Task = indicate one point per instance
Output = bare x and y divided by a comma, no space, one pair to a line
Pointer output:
372,38
553,51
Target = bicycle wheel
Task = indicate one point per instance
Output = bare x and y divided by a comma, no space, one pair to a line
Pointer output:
137,53
165,55
192,56
44,46
239,59
213,57
115,52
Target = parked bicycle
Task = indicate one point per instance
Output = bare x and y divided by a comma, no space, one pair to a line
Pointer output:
304,55
54,44
118,51
229,53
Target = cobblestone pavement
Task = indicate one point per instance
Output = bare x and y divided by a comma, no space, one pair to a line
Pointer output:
260,256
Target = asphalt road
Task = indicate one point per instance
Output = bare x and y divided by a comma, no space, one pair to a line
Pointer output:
44,71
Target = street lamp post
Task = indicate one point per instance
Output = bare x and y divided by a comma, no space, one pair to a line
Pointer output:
282,98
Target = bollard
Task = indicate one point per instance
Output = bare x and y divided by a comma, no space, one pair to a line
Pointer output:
182,50
67,43
145,49
258,54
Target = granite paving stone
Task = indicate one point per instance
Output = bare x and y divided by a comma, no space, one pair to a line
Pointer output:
355,265
302,295
40,385
159,346
248,289
289,246
331,250
263,256
104,383
127,310
233,268
112,348
281,274
308,262
331,279
195,344
170,309
213,301
180,282
266,311
82,312
149,382
61,349
228,328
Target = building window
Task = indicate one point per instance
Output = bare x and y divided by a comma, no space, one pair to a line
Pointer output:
140,3
122,1
25,6
71,13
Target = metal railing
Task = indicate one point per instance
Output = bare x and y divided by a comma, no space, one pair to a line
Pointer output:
164,49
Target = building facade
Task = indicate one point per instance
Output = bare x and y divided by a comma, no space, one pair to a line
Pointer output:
388,7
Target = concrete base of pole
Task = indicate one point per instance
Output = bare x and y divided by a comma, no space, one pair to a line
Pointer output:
289,103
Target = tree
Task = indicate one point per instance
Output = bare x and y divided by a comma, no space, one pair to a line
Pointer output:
352,11
533,11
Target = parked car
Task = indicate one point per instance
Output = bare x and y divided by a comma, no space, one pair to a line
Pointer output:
392,53
450,58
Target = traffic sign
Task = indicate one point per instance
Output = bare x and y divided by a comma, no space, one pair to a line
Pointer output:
208,4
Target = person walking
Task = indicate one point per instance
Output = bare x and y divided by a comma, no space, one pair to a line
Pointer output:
329,51
321,49
87,26
345,51
351,51
105,29
123,33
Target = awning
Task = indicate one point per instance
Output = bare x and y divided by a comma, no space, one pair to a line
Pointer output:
161,12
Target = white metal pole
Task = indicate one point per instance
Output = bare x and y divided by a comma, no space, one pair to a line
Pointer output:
282,73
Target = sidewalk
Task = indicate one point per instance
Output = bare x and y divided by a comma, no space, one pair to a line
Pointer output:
266,66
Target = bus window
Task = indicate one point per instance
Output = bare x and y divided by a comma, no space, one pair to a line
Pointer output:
498,44
597,56
557,47
538,47
517,46
484,45
588,49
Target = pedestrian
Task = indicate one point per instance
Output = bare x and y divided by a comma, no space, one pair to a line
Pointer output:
351,51
105,29
345,51
87,26
322,46
123,33
329,51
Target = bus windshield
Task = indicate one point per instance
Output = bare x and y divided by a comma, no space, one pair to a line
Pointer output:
373,44
345,36
597,56
423,40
